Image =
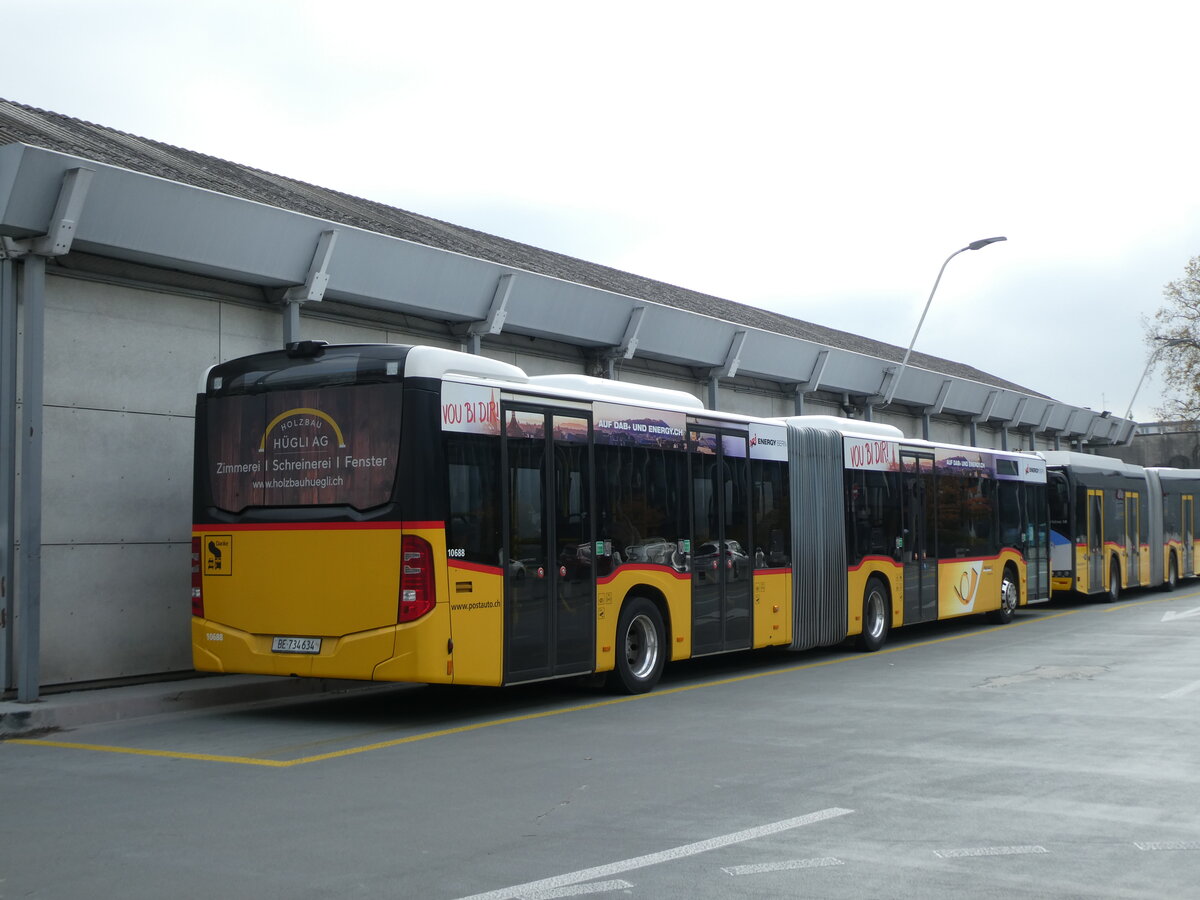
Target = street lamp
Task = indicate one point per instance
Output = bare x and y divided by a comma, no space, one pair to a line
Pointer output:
974,245
1163,345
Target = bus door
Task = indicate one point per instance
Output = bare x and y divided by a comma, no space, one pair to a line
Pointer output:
722,599
1189,548
1095,536
1133,538
550,584
919,550
1036,547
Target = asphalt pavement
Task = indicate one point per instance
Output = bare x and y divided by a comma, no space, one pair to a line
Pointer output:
61,709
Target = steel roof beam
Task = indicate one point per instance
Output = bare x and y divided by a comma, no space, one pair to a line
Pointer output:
733,360
629,341
313,288
497,314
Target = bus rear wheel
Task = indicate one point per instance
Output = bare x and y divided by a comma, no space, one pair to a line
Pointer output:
1010,596
1172,576
1113,594
641,647
876,616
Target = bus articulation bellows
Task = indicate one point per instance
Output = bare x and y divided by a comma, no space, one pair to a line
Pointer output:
408,513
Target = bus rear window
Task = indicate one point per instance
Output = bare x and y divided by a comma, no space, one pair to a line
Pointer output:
320,366
314,447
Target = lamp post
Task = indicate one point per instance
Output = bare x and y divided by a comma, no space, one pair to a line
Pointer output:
974,245
1163,345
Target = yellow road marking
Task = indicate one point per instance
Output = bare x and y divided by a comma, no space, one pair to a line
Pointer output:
169,754
511,720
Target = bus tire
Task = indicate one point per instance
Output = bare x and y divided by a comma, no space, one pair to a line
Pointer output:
1172,575
876,616
1010,597
1113,594
641,647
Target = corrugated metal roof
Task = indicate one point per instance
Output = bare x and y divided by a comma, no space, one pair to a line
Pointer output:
53,131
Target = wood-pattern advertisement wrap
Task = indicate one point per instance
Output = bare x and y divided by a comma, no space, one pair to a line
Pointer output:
325,446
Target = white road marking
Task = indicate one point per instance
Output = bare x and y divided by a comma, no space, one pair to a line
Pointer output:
1181,692
1168,845
1187,614
578,890
784,866
640,862
988,851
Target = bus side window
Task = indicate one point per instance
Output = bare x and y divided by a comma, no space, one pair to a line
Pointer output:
473,468
771,514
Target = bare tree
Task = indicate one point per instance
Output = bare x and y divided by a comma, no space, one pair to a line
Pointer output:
1174,338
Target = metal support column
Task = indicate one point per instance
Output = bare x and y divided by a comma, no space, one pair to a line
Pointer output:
493,323
628,345
8,464
1043,426
25,266
814,380
291,322
984,415
313,288
714,383
29,615
939,406
733,361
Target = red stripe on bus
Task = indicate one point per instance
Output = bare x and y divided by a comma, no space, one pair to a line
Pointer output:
644,567
300,526
758,572
871,559
214,528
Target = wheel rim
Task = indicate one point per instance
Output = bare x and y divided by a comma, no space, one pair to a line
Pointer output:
1008,596
641,646
875,617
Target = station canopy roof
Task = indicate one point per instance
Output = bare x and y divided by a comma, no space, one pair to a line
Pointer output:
173,208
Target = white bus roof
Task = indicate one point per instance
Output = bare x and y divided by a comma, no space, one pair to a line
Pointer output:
435,362
606,389
1091,462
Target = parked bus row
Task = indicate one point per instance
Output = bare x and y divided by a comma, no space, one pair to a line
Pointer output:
396,513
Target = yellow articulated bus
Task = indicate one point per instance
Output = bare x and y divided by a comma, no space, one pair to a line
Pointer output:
396,513
1116,525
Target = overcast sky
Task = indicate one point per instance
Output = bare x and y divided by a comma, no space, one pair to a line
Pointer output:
817,159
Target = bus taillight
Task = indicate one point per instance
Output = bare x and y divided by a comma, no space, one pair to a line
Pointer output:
417,593
197,581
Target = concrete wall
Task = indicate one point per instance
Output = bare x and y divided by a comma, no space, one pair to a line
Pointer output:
122,368
1170,444
123,364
